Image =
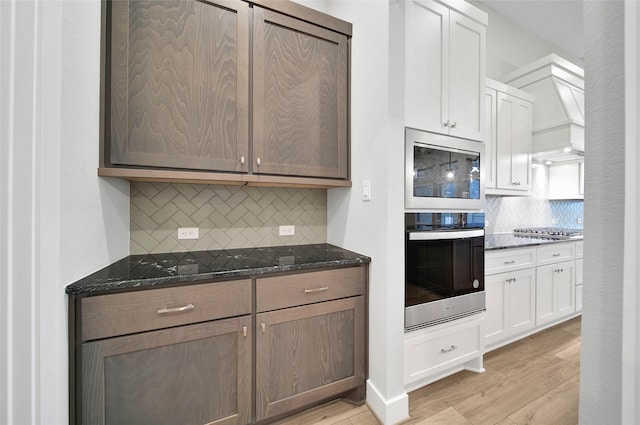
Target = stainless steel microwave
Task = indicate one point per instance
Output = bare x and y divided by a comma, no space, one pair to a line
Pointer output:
443,172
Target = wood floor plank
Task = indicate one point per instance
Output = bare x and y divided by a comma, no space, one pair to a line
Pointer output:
449,416
571,353
499,401
559,407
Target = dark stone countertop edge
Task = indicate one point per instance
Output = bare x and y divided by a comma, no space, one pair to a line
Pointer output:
100,286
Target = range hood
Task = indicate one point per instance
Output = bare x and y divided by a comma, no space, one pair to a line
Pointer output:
558,111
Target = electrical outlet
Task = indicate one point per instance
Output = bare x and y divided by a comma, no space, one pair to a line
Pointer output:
287,230
579,220
554,221
188,233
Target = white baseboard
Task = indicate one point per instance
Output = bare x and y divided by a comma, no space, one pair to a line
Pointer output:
388,412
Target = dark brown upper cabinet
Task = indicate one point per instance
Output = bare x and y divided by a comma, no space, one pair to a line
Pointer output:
225,91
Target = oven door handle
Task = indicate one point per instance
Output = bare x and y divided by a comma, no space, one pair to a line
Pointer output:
436,236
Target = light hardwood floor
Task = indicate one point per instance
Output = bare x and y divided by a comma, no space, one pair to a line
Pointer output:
534,381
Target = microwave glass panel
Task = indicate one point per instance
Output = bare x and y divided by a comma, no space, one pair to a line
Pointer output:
439,173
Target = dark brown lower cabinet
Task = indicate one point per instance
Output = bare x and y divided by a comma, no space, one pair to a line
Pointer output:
308,353
195,374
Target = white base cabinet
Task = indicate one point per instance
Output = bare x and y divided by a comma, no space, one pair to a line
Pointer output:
511,304
432,353
528,289
555,294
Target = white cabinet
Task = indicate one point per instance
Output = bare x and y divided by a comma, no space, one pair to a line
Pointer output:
555,294
445,67
508,136
566,181
438,351
510,294
510,305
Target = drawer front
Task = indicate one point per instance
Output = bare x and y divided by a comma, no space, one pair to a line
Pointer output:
579,249
129,312
556,253
425,356
508,260
277,292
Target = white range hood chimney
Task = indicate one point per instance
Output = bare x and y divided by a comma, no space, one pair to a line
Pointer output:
558,111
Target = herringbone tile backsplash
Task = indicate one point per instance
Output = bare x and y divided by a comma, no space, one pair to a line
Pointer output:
227,216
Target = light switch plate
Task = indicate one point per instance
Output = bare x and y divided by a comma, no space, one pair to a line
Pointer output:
366,190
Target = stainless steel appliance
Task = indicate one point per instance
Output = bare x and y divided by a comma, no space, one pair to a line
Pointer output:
560,233
442,172
444,267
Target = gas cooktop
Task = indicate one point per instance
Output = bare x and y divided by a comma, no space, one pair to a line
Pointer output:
548,232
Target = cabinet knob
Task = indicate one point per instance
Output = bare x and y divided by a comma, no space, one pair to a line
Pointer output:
263,327
258,161
242,160
244,331
454,125
446,123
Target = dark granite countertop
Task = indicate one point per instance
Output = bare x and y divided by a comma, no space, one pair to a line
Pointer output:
157,270
508,240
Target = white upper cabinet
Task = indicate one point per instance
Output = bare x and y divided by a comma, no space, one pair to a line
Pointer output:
445,68
508,135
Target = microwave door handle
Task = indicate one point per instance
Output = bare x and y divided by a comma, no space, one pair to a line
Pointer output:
435,236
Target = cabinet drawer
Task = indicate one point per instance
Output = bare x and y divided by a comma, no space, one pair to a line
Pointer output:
428,353
277,292
507,260
555,253
129,312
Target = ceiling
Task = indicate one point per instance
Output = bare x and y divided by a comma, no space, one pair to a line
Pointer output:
557,21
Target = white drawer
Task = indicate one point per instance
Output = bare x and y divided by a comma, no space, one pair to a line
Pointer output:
506,260
579,249
555,253
430,352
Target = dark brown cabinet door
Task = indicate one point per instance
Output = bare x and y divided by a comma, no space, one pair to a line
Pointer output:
300,104
177,84
307,353
196,374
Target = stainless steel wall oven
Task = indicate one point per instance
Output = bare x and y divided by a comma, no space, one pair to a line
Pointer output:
444,267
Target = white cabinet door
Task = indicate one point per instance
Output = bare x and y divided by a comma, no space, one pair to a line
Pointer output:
521,311
467,52
427,69
510,304
513,146
445,70
495,324
555,291
488,162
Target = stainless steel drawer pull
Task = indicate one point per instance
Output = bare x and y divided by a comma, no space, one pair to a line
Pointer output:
556,254
510,262
263,327
242,160
244,331
187,307
448,350
309,291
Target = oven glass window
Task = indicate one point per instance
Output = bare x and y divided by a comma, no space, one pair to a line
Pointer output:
439,269
440,173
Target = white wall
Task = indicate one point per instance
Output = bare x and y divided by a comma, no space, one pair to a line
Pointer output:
58,221
510,46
